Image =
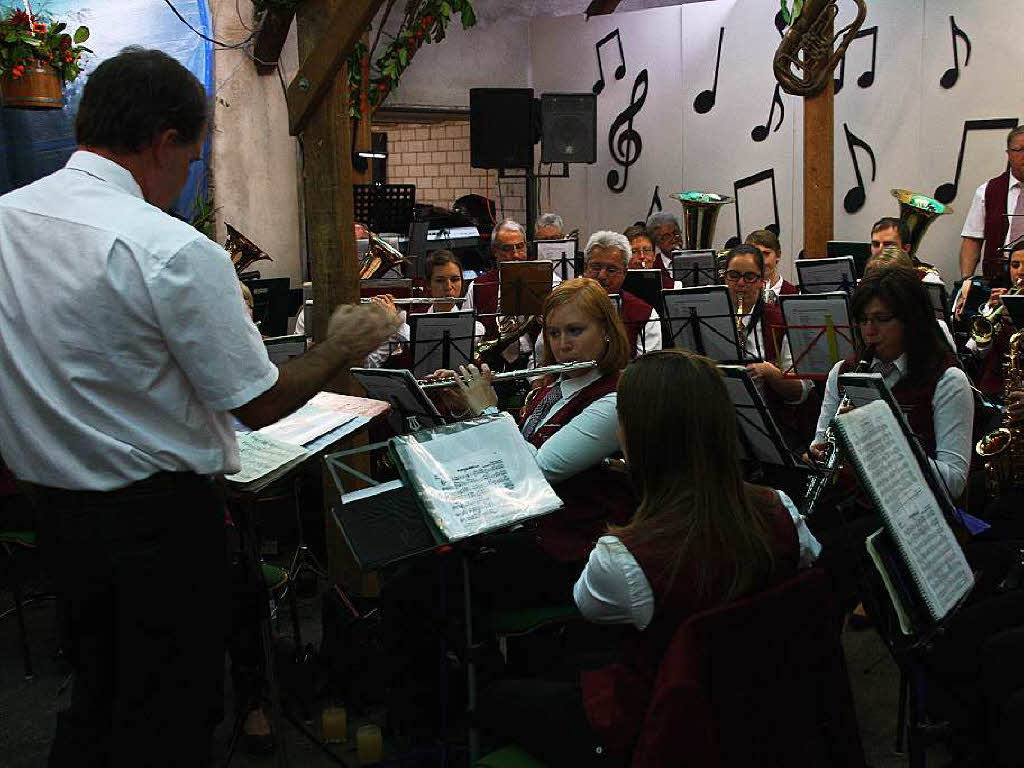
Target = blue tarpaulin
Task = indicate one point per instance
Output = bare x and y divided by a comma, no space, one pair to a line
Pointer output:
34,143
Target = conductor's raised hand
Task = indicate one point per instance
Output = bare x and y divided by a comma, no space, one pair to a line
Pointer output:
358,330
475,388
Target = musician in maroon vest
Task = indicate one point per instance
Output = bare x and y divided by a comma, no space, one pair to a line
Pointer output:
666,233
508,243
792,402
897,332
993,354
699,537
987,227
643,256
605,259
775,285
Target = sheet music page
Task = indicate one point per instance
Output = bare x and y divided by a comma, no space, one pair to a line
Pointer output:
826,275
261,455
912,514
305,425
428,340
475,476
716,322
751,414
814,350
562,254
353,406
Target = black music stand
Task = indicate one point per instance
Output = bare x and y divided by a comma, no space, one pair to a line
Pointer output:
563,254
758,433
860,252
411,409
818,330
523,286
703,320
645,284
384,207
827,275
441,340
695,268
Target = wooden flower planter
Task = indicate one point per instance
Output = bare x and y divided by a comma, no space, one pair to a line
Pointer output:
38,88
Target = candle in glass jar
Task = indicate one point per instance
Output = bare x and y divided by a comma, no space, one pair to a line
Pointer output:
368,744
335,724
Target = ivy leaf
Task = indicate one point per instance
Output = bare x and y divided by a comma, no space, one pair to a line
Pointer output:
798,7
81,35
402,56
27,40
786,15
468,17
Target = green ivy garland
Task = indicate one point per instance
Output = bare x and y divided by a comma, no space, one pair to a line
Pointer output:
424,22
788,16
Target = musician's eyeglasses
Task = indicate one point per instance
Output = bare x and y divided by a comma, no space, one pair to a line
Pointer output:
733,276
1015,149
875,320
511,247
669,236
642,251
609,269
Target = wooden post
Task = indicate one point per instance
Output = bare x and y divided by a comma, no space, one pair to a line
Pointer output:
819,154
364,138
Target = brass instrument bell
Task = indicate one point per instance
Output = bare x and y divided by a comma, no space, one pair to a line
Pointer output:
700,214
918,212
380,259
243,251
808,55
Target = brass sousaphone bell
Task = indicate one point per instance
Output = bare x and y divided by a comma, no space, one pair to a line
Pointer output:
700,214
244,252
918,212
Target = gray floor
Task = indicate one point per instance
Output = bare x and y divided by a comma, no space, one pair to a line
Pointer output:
28,708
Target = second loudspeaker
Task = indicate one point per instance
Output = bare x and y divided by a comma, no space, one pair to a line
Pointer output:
568,128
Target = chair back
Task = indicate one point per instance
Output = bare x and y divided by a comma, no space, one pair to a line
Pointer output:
758,682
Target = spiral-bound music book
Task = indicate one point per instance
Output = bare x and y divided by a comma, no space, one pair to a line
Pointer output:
925,570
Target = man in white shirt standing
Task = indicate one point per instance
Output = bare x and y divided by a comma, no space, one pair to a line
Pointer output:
124,350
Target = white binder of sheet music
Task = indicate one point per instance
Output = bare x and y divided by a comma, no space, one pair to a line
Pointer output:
475,476
891,475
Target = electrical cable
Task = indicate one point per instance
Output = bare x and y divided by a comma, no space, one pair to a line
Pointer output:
226,46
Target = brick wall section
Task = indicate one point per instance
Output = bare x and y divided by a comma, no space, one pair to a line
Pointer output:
436,159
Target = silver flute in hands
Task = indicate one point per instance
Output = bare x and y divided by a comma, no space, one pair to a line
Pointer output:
524,374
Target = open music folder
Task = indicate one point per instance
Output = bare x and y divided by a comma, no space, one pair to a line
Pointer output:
919,558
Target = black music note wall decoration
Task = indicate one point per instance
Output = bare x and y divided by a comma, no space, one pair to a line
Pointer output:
946,193
867,77
766,175
625,147
760,132
706,99
856,195
655,202
950,76
620,70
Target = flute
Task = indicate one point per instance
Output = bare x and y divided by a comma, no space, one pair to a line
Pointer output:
523,374
423,300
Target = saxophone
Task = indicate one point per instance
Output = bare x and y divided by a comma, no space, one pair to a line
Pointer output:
1003,448
741,329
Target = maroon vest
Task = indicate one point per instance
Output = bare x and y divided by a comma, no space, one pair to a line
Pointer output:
788,288
593,498
915,400
996,225
485,301
616,697
635,314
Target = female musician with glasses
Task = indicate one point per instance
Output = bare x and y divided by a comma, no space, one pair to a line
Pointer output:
700,537
792,401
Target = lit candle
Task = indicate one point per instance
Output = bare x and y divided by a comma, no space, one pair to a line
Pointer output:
335,724
368,744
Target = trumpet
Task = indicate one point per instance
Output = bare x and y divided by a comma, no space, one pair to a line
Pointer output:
419,300
544,370
984,329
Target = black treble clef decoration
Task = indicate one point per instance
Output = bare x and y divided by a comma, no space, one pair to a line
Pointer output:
625,147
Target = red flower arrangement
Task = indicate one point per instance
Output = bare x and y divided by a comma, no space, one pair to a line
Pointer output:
29,41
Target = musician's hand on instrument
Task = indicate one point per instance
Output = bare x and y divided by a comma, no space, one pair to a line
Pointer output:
387,301
1015,406
993,298
764,371
961,298
815,452
475,387
360,329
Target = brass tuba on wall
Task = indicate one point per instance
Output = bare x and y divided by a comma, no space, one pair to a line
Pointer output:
700,214
808,54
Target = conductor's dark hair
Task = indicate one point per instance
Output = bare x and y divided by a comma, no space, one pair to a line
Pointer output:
903,294
131,98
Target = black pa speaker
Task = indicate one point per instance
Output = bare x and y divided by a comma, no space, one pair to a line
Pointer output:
569,128
501,127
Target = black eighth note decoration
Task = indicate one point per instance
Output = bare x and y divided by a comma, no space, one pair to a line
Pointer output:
766,175
867,77
856,195
946,193
760,132
655,202
706,99
620,71
950,76
625,147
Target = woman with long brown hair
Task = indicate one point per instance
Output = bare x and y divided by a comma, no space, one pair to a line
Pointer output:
700,537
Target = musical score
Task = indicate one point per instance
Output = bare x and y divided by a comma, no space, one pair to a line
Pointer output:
625,146
750,181
867,77
620,70
705,100
950,76
856,195
760,132
946,193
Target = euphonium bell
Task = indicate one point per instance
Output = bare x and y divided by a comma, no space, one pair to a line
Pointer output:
918,212
700,213
380,259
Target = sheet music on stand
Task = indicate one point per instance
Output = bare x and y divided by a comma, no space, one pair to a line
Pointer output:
827,275
759,436
819,331
411,409
702,320
523,286
563,256
441,340
695,268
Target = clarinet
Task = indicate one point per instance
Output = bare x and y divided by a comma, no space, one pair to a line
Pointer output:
829,465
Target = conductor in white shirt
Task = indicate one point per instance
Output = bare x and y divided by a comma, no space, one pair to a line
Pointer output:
124,350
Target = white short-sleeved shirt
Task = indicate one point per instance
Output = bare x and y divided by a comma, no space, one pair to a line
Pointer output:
974,224
123,337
